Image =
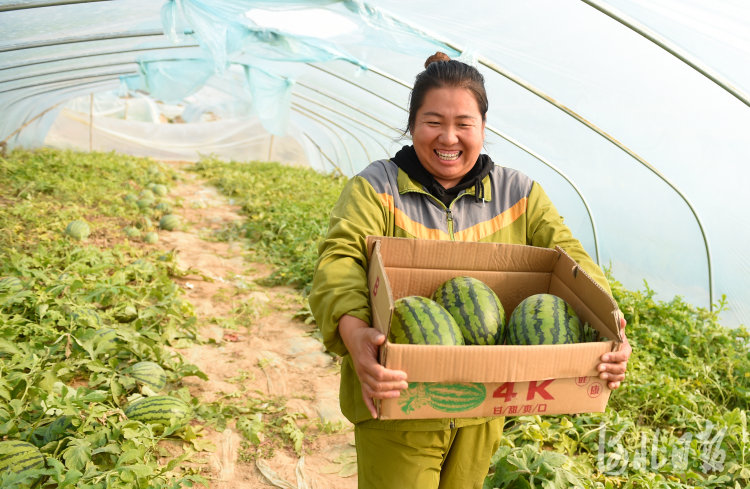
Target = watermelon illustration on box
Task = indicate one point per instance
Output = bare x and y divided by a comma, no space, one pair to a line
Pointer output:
528,328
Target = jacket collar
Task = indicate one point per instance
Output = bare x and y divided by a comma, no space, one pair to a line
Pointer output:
407,184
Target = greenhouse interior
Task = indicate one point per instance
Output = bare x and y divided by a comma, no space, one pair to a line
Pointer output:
634,116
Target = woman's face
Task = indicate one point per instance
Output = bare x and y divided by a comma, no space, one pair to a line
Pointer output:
448,134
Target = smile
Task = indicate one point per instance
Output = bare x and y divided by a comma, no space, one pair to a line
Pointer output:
448,155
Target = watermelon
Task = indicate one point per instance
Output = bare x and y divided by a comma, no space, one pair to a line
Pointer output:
18,457
159,410
148,373
86,317
144,203
151,237
159,189
544,319
106,340
78,229
163,207
169,222
421,321
132,232
475,307
454,398
53,431
10,284
143,223
147,195
126,314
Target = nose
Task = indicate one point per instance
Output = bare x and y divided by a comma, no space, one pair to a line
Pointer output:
448,136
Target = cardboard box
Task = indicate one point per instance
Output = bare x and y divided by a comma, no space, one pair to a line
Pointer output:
512,380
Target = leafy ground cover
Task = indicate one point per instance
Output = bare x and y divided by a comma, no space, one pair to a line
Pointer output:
679,421
76,314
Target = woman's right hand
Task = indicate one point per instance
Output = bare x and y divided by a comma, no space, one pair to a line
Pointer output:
363,342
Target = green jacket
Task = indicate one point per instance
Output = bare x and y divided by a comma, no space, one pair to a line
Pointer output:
383,201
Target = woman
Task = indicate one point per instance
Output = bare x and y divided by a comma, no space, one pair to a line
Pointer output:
441,187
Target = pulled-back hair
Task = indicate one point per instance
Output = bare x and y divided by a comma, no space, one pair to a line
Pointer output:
440,72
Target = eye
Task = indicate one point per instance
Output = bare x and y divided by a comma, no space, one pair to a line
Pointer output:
432,123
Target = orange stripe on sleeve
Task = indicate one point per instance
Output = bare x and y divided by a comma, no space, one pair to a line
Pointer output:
403,221
486,228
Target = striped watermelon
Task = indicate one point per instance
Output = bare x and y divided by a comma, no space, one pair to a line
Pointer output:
475,307
106,340
144,203
126,314
143,223
454,398
10,284
18,457
148,373
78,229
159,410
150,237
544,319
169,222
421,321
54,431
159,189
132,232
163,207
86,317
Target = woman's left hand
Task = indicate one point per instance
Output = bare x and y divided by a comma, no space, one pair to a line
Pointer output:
613,366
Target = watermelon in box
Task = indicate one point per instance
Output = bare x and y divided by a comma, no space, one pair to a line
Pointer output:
544,319
421,321
475,307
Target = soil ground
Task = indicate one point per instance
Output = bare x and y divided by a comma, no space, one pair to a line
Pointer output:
265,347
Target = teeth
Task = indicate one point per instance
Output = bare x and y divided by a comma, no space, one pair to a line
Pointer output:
448,156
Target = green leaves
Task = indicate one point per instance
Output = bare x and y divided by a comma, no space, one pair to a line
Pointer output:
529,467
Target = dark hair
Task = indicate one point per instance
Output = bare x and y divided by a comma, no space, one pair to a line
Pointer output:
441,71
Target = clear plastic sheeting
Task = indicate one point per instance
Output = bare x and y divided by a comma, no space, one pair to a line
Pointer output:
634,115
240,140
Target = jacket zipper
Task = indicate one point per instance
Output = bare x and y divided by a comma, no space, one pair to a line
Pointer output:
448,212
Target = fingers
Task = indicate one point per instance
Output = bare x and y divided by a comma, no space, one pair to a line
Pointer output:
377,387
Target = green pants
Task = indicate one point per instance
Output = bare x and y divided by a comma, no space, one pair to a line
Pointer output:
457,458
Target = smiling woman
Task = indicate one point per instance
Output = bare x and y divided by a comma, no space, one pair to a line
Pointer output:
441,187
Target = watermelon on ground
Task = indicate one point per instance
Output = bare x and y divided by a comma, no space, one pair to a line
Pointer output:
78,229
475,307
148,373
19,457
159,410
169,222
421,321
544,319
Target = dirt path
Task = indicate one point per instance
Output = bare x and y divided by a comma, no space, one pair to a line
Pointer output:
254,338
